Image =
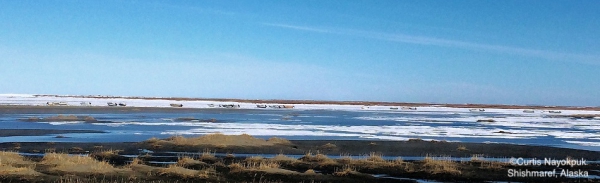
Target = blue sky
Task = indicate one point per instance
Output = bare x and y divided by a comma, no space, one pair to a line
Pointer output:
502,52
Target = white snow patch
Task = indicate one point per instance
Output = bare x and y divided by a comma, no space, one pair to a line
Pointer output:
582,143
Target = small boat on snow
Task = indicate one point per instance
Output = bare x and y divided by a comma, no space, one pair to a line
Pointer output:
261,106
116,104
477,110
528,111
176,105
56,103
230,106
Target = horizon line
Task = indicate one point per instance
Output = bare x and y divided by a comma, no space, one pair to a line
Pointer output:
294,101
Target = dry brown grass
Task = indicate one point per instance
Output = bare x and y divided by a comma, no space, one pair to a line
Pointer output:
462,148
103,154
179,171
283,158
346,158
16,145
398,161
76,150
310,171
492,165
329,146
137,165
136,161
319,158
221,140
476,157
254,159
188,161
373,160
8,170
11,163
236,167
345,171
50,150
263,165
374,157
12,158
207,155
277,140
77,164
152,140
440,165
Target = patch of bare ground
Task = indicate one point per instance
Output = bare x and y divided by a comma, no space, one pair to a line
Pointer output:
582,116
61,118
219,141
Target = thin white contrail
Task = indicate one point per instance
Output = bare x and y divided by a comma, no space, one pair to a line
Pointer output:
423,40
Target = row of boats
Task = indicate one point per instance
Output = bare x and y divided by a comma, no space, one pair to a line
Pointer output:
84,104
112,104
234,106
229,106
394,108
532,111
66,104
470,110
56,104
404,108
275,106
524,111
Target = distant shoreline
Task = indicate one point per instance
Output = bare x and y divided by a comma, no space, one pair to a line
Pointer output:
364,103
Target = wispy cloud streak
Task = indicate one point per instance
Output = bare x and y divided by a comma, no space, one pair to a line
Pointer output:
422,40
302,28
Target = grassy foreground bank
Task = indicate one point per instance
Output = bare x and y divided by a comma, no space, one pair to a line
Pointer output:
202,164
